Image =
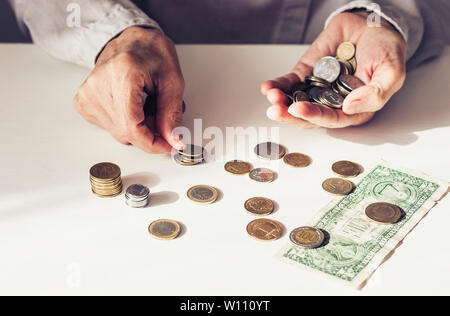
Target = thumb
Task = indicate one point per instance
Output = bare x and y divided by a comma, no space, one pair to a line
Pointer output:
170,109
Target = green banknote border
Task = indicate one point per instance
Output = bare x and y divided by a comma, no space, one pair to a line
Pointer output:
430,188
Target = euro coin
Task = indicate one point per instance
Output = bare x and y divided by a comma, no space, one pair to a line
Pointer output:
238,167
259,206
270,151
338,186
105,180
165,229
265,229
346,51
346,169
263,175
192,151
327,68
297,160
331,99
307,237
105,171
384,213
203,194
182,162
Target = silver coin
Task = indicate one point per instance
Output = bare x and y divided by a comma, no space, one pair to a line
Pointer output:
315,94
332,98
328,68
137,204
263,175
307,237
137,191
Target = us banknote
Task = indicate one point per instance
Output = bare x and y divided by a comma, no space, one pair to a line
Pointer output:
356,246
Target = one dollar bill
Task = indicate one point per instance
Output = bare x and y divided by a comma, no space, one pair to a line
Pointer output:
357,246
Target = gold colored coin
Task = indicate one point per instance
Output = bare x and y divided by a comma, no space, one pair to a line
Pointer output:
259,206
338,186
346,169
165,229
297,160
238,167
384,213
105,171
203,194
265,229
354,65
346,51
307,237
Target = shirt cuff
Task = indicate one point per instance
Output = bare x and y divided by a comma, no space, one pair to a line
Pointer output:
403,23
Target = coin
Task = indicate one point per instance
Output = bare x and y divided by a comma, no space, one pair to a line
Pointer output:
346,51
192,151
238,167
165,229
354,64
350,82
346,169
269,150
315,94
307,237
263,175
297,160
317,82
338,186
265,229
259,206
179,160
300,96
203,194
105,171
384,213
137,196
328,68
331,99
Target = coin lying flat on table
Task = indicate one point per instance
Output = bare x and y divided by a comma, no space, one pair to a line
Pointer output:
106,181
338,186
297,160
164,229
263,175
238,167
271,151
259,206
384,213
265,229
346,169
203,194
307,237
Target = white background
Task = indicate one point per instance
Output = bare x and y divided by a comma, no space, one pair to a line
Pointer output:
54,232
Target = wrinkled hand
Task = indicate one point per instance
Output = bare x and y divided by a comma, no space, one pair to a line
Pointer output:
381,58
112,97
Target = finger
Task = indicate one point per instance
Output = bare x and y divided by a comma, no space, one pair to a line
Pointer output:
326,117
143,138
280,113
278,97
385,82
170,90
284,83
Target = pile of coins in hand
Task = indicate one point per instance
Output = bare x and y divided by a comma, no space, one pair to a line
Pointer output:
332,80
106,180
191,155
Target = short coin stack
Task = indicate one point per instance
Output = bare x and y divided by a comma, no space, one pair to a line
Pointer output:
191,155
106,180
137,196
332,80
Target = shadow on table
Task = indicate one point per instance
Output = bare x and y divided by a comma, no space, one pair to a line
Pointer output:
163,198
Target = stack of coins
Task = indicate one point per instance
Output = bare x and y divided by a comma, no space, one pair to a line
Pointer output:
192,155
105,180
137,196
332,80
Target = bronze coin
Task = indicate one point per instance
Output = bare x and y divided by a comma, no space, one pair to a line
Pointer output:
307,237
271,151
301,96
297,160
105,171
238,167
384,213
346,169
259,206
350,82
263,175
338,186
265,229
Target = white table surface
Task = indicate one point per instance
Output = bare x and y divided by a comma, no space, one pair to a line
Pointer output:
58,238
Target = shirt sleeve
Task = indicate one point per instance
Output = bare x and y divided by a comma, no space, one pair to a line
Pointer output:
77,31
404,15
